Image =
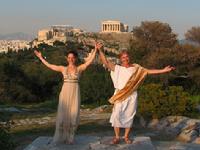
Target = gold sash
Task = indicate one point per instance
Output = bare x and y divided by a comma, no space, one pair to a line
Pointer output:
133,83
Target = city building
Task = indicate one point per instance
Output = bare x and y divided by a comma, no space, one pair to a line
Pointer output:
13,45
44,34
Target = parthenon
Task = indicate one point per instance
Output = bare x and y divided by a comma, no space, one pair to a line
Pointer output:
113,26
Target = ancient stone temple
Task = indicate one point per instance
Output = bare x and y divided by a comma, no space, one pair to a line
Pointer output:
110,26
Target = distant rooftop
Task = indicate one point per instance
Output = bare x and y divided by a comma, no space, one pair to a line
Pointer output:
111,21
64,26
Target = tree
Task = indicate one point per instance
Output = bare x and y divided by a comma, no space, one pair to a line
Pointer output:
186,60
193,34
151,35
58,43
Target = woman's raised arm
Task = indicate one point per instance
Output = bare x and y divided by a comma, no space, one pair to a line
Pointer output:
82,67
50,66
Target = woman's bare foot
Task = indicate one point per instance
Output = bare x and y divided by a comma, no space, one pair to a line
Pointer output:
70,142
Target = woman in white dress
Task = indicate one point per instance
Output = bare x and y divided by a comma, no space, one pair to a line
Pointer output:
67,118
122,75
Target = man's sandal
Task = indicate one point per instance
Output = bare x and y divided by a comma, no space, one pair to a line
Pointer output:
115,140
127,140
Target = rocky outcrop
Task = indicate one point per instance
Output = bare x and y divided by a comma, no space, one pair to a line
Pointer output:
184,128
175,146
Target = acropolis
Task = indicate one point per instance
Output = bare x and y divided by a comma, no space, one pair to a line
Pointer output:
56,33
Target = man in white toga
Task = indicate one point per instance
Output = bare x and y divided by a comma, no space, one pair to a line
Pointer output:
126,79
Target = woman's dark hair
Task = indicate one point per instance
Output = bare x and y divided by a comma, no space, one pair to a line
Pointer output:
72,52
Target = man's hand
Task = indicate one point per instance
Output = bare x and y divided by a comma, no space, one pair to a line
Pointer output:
38,53
169,68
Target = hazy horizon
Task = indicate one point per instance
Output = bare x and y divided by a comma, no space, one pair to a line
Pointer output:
29,16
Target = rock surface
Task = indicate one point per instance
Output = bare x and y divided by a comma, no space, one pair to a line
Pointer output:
11,109
180,127
176,146
91,143
83,142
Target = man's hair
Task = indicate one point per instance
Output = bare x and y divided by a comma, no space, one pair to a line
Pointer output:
123,52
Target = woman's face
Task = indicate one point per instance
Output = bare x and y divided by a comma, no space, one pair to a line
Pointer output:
124,59
71,59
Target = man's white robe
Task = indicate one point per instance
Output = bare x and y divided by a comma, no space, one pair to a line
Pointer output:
123,112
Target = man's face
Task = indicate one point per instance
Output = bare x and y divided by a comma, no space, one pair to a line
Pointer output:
124,58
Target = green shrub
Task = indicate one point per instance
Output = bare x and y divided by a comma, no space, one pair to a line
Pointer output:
96,85
6,142
158,101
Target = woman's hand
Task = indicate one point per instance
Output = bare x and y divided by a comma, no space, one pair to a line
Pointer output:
89,59
38,54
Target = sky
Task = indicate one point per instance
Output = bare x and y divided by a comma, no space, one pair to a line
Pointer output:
28,16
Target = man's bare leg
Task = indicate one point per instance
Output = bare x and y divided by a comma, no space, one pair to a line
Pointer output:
116,139
127,132
117,132
126,136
